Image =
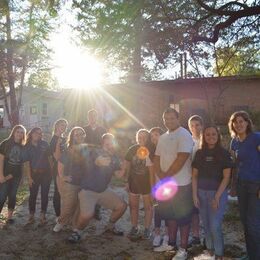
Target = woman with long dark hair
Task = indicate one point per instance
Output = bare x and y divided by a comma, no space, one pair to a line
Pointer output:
211,169
38,170
11,159
57,146
245,146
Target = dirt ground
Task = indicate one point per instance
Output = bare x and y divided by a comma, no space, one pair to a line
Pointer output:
19,241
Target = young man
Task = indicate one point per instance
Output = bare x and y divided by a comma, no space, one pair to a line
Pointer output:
173,159
195,124
94,131
102,164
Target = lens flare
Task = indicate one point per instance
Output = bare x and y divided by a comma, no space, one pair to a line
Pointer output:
142,153
165,189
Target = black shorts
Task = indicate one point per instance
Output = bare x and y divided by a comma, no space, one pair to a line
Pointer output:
139,184
180,207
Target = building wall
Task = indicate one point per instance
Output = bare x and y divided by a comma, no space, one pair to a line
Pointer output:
215,97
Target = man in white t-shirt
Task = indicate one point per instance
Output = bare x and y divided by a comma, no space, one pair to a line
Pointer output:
173,159
195,124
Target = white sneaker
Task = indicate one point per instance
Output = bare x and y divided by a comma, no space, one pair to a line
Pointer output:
157,240
58,227
181,254
163,248
165,240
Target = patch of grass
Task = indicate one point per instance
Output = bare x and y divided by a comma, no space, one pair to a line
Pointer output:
22,194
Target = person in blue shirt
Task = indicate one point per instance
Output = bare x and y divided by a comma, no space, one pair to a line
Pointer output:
245,147
38,169
102,164
11,160
71,167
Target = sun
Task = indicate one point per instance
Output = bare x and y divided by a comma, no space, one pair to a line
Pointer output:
75,67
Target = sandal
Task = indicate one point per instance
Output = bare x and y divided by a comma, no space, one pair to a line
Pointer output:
74,237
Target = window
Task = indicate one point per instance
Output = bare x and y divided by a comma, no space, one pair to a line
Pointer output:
44,109
33,110
176,107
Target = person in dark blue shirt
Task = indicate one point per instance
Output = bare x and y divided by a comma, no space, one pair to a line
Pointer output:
102,163
211,170
37,165
245,147
11,160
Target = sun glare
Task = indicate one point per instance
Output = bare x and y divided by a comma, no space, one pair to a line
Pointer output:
74,67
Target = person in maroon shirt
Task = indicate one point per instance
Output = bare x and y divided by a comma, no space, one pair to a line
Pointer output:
93,131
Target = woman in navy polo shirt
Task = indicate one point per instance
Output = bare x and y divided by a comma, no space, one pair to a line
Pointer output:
245,146
38,171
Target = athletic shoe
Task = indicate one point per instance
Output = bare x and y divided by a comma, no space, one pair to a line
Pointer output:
165,240
163,248
157,240
181,254
147,233
134,233
58,227
194,242
74,237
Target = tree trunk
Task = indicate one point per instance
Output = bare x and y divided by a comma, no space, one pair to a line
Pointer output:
14,111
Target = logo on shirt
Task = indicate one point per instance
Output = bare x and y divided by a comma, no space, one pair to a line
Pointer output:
209,158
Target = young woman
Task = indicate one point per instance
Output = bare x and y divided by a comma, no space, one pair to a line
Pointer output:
138,166
245,147
11,158
57,146
155,133
71,167
210,177
38,171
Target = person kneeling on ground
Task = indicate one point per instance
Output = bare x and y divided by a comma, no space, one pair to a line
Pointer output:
102,164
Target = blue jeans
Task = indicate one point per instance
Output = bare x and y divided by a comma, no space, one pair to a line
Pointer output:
212,220
249,207
9,189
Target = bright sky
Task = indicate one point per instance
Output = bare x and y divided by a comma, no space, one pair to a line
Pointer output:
74,66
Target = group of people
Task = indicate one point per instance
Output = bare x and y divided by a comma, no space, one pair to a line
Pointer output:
183,175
